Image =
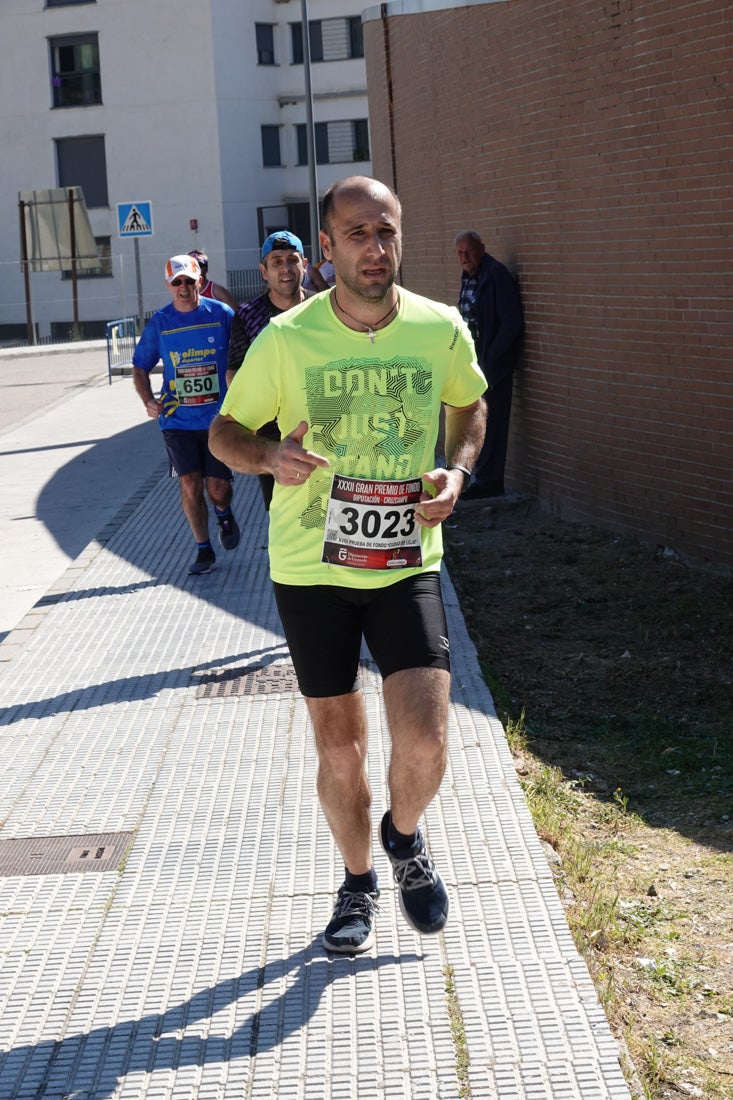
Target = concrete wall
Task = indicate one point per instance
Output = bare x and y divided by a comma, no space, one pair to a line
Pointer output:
589,142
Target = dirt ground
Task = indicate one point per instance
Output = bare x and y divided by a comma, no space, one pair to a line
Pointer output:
620,658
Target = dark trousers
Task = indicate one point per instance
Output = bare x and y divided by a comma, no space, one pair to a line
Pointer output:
488,470
267,481
267,484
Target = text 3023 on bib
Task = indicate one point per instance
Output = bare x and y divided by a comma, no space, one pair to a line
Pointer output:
372,525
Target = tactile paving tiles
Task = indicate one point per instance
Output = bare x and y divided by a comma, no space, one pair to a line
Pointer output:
198,971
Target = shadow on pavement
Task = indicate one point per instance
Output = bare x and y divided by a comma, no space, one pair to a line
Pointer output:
97,1060
134,688
83,495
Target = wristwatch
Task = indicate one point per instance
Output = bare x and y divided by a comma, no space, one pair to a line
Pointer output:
466,473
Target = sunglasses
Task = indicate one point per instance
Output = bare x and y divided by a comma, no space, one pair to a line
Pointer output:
183,282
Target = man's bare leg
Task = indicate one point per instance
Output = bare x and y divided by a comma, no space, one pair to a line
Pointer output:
417,709
343,789
220,492
416,701
194,504
339,723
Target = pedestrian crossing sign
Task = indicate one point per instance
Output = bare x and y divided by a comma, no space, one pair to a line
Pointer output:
135,219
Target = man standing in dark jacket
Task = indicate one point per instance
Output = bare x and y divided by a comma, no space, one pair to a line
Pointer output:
490,305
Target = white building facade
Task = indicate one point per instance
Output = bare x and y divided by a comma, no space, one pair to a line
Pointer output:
197,108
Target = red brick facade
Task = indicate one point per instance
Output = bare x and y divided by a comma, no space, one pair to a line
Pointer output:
590,142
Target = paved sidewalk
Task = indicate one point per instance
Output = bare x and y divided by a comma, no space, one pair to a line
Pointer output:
72,447
166,942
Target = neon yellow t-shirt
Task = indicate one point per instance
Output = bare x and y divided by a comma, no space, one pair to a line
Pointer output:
372,410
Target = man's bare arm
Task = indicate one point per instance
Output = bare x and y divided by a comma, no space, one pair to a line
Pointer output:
317,280
248,453
464,434
222,295
239,447
141,382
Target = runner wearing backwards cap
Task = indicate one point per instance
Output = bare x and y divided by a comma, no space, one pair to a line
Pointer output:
283,269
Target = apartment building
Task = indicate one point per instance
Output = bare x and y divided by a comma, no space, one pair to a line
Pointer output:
197,109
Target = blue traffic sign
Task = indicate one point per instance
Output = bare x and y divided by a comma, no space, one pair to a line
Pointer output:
135,219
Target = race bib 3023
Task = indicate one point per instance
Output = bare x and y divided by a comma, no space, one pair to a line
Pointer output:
372,525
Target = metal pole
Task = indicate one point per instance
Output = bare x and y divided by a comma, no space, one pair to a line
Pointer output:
30,329
310,137
123,312
74,283
138,277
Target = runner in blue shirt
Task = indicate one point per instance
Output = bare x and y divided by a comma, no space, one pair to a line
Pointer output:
191,337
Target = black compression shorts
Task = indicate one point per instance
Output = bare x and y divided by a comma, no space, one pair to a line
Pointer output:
403,625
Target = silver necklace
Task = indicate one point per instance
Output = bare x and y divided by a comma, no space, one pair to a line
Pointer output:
369,329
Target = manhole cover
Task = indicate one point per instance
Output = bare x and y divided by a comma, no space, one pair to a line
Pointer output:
278,677
53,855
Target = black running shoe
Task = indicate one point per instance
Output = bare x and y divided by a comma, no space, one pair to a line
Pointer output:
423,896
204,562
349,932
228,531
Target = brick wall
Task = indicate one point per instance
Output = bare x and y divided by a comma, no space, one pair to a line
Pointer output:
590,144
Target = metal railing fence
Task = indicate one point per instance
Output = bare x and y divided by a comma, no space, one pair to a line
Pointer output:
121,340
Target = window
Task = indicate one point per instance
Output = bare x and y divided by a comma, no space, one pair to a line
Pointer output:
104,269
271,146
321,137
356,36
330,39
75,78
296,42
265,39
81,162
294,215
336,142
360,137
316,39
301,132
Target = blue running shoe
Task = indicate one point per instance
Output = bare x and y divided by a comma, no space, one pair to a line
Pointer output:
204,562
228,531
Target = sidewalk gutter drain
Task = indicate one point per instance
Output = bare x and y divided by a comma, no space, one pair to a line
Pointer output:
54,855
278,677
